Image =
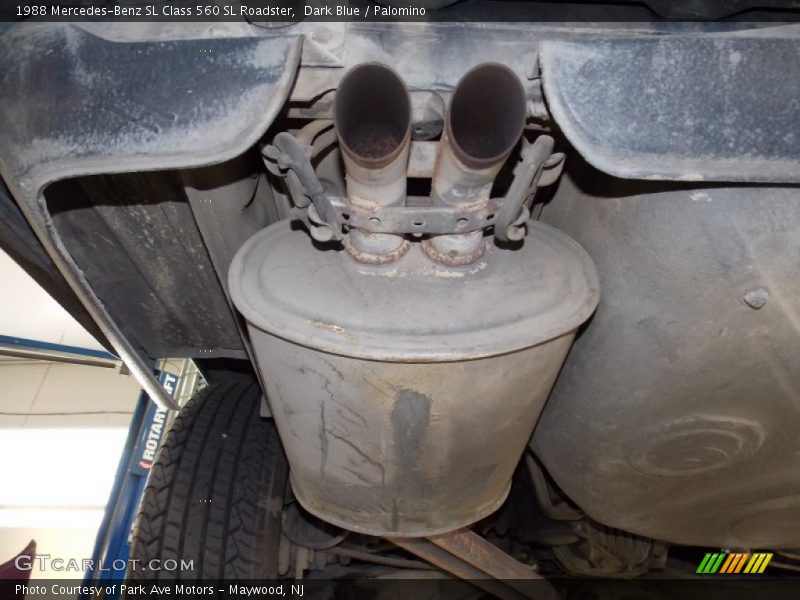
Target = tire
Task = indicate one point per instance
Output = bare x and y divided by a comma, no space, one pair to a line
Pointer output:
215,492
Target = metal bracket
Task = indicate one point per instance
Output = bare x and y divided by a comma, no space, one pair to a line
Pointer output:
327,217
417,216
514,210
290,159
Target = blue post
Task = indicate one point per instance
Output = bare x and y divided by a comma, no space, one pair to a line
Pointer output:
112,545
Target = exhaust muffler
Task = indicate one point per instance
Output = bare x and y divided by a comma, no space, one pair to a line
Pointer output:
405,393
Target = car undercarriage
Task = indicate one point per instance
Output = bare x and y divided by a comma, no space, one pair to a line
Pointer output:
509,300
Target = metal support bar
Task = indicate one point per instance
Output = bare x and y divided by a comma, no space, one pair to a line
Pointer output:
36,350
481,554
455,566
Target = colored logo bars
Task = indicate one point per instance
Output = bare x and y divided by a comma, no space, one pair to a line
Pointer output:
734,562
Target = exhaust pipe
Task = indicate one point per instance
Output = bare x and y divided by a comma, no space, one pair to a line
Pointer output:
484,123
372,118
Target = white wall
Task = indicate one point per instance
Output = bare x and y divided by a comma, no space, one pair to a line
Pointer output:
27,311
38,394
55,486
62,428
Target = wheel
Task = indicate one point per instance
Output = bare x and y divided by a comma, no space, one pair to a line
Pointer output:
215,493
